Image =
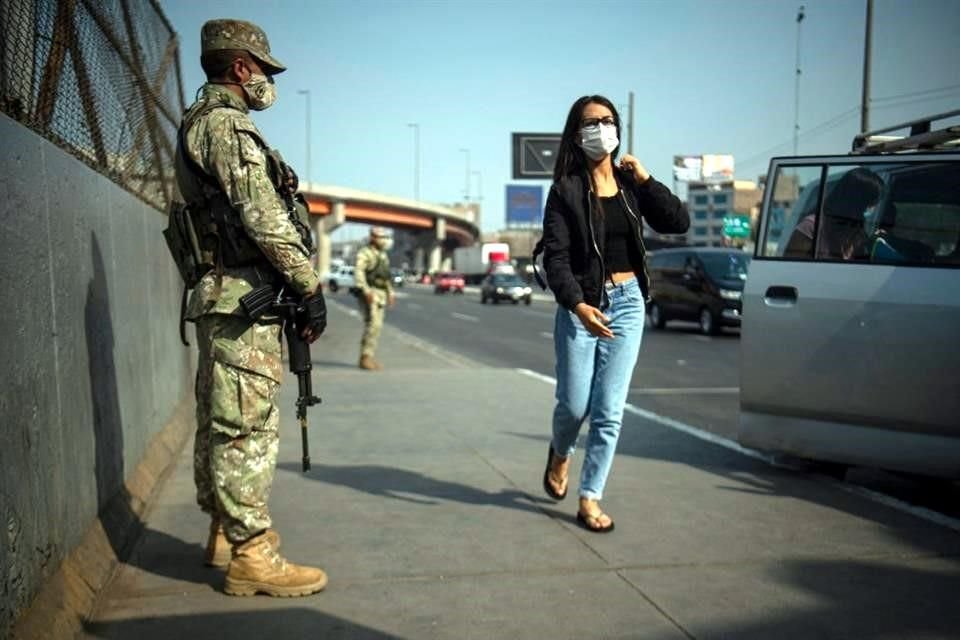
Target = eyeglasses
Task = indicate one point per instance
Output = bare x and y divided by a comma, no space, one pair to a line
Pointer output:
593,122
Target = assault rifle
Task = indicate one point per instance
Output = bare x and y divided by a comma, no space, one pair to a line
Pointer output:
289,308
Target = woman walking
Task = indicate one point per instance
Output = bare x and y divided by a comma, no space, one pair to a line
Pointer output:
594,261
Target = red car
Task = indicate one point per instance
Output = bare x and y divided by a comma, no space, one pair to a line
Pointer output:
445,282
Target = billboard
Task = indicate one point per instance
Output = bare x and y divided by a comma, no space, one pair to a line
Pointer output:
703,168
534,155
524,205
687,168
717,168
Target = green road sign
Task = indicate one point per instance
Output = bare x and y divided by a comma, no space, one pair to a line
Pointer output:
736,226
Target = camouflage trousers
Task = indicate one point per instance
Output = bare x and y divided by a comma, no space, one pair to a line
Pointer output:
372,321
235,448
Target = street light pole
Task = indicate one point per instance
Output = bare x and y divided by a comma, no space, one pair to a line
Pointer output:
479,185
466,195
306,92
416,159
796,88
865,99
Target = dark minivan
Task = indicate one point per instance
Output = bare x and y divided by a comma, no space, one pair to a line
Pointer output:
702,284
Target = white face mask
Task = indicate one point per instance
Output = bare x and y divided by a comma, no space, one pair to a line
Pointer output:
260,90
599,140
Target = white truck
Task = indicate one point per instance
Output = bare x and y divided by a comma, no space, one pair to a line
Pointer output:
477,260
340,277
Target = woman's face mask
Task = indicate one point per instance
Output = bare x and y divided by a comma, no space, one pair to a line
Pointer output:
260,90
599,140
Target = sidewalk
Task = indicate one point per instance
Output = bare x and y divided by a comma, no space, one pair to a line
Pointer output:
424,506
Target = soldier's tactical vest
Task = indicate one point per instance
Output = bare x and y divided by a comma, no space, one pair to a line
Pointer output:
206,233
378,275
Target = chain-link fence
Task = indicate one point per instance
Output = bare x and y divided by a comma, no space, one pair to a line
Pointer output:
100,78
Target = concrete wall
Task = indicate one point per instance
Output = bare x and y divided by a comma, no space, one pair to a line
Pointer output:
92,364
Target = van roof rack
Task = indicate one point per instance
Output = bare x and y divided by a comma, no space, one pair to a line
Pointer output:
921,136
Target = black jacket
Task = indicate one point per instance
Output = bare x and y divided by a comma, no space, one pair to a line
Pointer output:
573,234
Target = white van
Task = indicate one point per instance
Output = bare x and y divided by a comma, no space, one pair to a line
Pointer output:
850,342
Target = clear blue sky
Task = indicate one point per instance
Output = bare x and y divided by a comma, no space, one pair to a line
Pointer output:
709,77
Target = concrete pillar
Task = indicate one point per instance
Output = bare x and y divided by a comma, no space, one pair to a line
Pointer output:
419,259
436,253
322,227
436,247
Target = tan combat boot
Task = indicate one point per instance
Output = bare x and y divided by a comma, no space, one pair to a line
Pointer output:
368,363
218,547
257,567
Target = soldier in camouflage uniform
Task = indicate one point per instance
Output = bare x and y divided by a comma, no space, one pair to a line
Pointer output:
222,162
372,274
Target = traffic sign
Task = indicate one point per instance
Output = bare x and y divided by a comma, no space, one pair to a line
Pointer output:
736,226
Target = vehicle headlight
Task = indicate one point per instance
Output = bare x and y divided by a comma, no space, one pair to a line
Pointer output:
731,294
499,289
527,290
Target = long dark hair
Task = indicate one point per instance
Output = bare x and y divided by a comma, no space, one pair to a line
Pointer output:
571,159
842,227
858,189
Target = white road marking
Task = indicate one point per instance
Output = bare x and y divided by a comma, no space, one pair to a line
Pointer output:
880,498
676,391
463,316
538,376
547,335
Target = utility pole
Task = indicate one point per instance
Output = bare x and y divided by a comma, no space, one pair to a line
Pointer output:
630,125
306,92
466,193
416,159
796,88
865,99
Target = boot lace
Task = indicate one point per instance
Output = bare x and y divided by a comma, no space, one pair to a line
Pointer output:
278,561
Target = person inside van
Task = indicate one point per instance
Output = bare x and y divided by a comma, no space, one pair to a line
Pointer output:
842,234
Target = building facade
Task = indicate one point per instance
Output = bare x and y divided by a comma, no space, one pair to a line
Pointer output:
713,205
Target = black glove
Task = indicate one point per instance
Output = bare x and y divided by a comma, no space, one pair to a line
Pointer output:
313,313
290,179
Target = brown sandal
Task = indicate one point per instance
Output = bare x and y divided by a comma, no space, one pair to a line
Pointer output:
591,523
553,493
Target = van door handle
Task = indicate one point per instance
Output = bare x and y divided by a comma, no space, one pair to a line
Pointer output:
778,296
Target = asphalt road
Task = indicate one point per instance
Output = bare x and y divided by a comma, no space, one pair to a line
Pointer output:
680,374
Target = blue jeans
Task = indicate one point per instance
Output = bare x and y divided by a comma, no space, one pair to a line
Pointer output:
593,378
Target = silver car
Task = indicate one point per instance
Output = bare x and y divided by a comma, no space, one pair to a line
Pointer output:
851,312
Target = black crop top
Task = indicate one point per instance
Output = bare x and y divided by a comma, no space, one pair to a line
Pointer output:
620,251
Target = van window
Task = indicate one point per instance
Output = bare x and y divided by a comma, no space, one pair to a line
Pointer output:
918,220
673,259
795,199
726,266
891,213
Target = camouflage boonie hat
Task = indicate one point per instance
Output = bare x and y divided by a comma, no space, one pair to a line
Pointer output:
226,33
